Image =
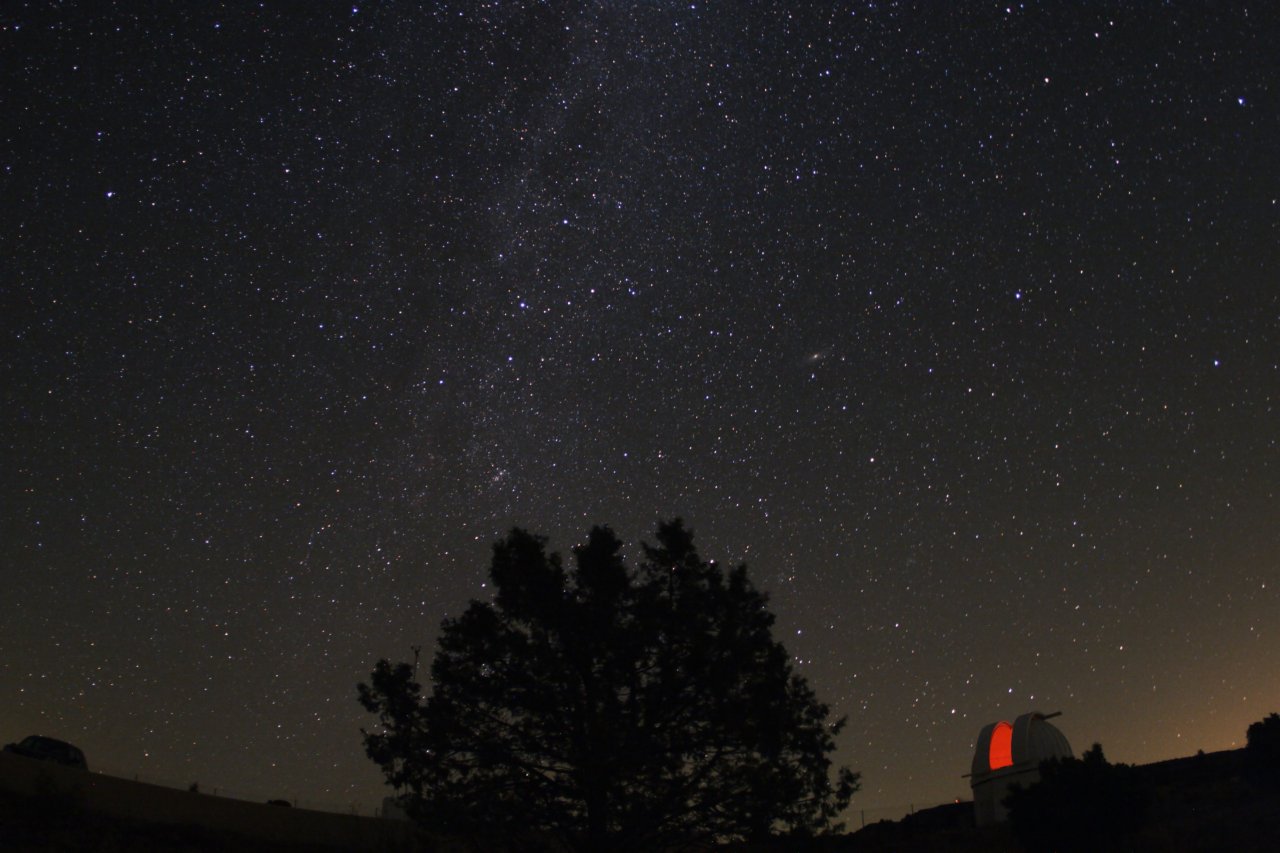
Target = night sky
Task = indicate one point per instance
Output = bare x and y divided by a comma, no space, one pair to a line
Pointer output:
959,322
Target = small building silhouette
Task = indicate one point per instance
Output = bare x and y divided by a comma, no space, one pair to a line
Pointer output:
1010,754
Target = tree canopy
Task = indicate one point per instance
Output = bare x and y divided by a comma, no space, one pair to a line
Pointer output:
609,707
1262,750
1082,804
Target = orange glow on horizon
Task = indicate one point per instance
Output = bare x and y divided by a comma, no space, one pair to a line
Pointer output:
1001,754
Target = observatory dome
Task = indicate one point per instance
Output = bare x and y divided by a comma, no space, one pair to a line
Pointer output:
1030,739
1010,753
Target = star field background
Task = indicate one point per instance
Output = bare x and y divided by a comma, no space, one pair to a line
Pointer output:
957,321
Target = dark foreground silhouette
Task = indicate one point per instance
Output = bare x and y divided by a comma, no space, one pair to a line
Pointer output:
1206,803
1201,804
1222,802
603,707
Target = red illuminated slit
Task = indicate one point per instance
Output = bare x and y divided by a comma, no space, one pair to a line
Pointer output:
1001,754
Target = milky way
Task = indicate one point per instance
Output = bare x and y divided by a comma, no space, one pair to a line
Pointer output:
959,323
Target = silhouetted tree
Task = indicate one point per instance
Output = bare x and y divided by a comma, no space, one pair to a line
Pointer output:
1262,750
1078,804
614,709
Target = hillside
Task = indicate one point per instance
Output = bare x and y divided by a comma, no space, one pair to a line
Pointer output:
1198,804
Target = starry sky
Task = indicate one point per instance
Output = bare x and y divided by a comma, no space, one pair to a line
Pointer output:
958,322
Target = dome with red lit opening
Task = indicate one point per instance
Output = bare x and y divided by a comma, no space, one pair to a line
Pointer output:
1024,743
